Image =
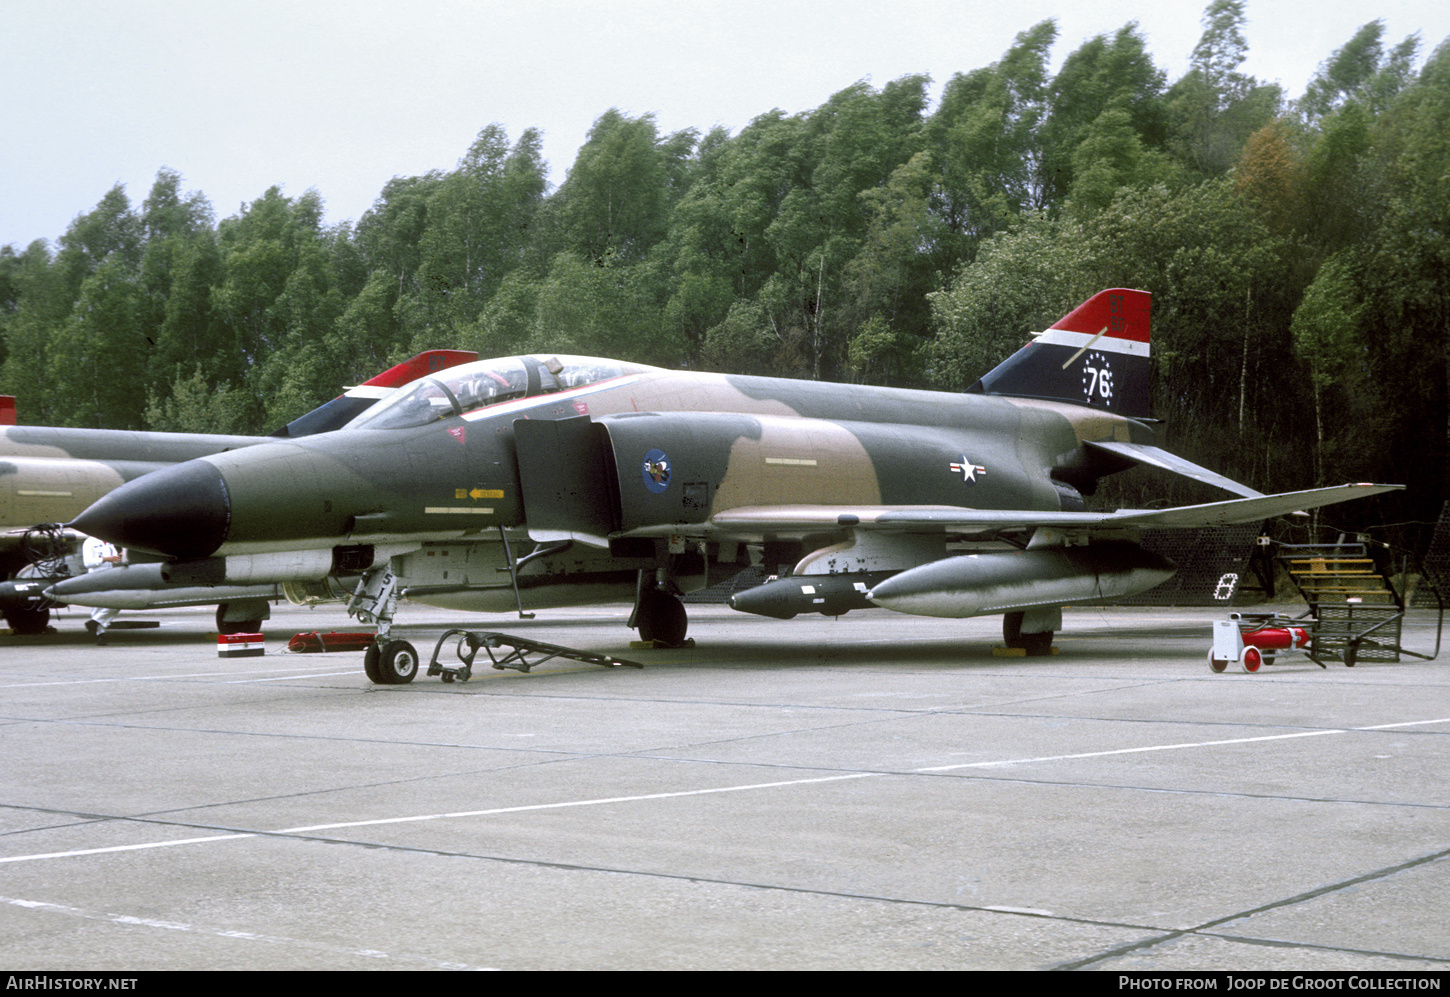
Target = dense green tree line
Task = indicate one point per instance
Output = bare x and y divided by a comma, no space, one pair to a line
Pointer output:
1298,252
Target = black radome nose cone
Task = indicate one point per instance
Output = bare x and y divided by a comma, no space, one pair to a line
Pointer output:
180,511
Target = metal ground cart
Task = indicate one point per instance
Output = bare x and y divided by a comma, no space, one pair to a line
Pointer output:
1355,612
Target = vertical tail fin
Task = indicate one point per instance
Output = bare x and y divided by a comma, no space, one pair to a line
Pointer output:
1097,355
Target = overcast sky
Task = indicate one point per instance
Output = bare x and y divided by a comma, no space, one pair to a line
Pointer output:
343,95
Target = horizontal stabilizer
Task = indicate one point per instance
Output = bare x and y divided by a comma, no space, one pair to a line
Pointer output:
1143,453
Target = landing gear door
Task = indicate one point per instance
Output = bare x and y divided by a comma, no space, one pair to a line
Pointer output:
567,480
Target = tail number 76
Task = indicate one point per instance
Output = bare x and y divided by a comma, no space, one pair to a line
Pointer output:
1097,378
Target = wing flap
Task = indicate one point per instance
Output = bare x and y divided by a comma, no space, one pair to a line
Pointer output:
801,519
1240,510
916,519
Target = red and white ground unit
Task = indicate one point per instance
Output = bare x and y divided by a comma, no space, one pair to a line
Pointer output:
1252,641
240,645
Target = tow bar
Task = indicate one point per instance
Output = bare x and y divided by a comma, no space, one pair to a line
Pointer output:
519,648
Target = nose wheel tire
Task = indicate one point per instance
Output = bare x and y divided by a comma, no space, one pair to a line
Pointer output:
397,662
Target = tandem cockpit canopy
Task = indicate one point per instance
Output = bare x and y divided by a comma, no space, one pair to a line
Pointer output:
488,382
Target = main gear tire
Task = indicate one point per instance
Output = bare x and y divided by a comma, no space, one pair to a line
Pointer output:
662,618
1034,645
28,622
225,626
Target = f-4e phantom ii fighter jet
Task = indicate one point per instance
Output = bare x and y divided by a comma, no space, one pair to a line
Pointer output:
540,481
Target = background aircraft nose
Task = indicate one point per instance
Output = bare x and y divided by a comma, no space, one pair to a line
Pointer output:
182,511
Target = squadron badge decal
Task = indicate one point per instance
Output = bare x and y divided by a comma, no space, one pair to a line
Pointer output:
656,471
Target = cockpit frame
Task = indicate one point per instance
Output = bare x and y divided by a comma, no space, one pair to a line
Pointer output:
469,387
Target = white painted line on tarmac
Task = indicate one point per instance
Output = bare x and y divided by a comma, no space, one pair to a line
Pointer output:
1407,723
161,678
1178,747
583,803
816,780
444,816
246,936
1126,751
129,848
289,678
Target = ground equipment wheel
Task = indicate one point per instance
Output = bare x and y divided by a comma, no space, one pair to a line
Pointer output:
1252,661
1218,665
397,662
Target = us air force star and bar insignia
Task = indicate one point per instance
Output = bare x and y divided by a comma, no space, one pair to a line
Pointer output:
968,470
656,471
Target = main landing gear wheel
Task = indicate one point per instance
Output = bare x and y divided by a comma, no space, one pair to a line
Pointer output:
26,622
224,626
662,618
397,662
1036,645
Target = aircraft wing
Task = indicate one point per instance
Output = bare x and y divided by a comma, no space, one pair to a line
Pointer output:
786,520
1247,510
